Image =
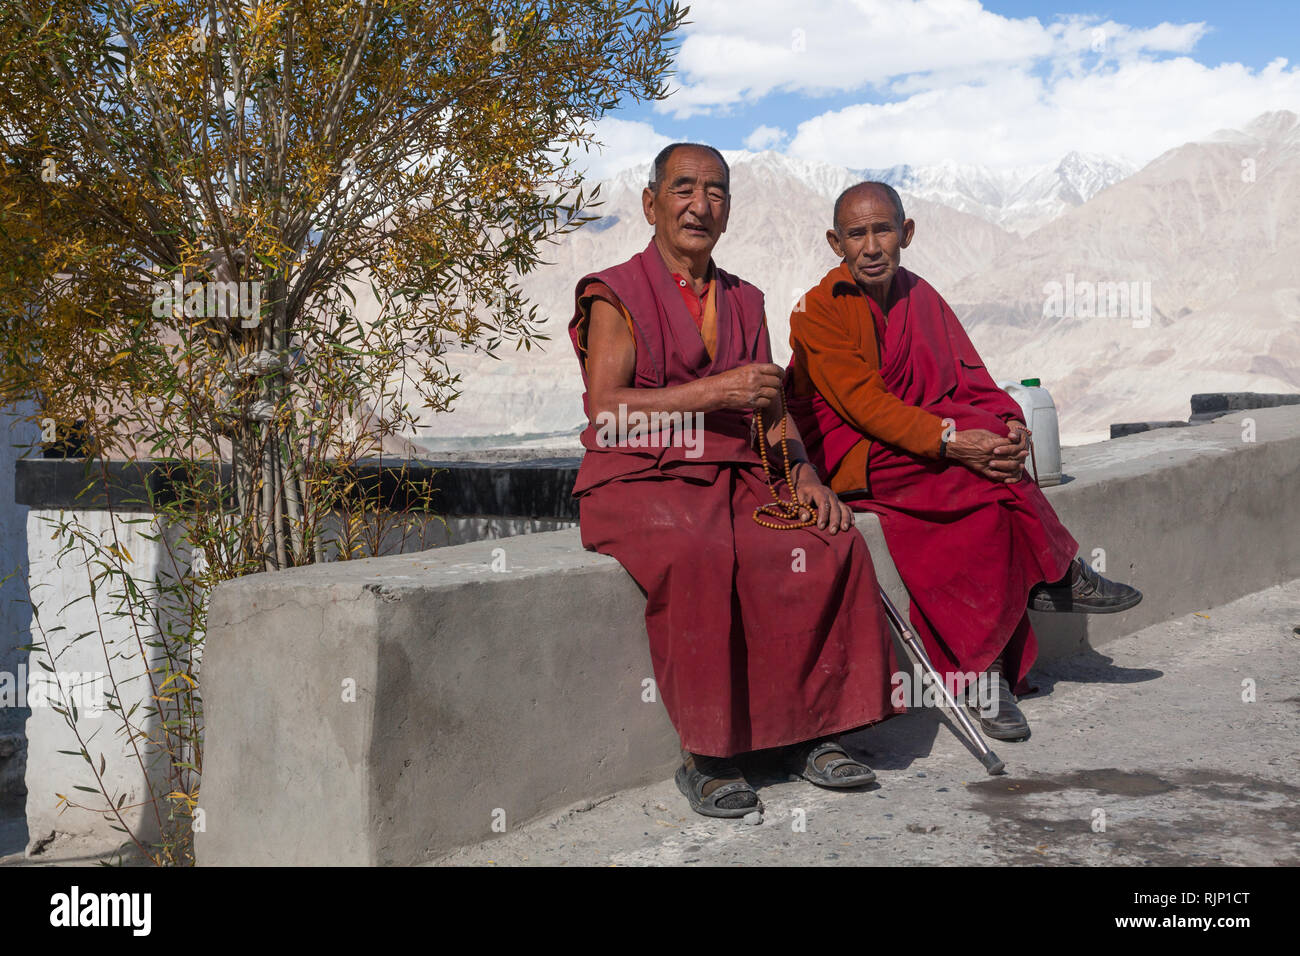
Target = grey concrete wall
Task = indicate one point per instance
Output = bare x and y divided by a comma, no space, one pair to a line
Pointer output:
501,680
1194,517
509,690
40,767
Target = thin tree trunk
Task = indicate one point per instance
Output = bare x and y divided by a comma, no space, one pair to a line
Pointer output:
317,545
244,492
277,497
292,498
266,533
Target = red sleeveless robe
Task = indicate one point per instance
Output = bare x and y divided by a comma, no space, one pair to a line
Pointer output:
759,638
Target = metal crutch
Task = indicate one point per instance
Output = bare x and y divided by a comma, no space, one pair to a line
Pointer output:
987,757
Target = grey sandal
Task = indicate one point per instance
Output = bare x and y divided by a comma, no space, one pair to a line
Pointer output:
692,780
838,773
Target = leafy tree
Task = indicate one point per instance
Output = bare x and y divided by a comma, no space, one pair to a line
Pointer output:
194,192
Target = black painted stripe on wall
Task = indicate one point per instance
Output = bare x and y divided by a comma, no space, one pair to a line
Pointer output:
537,488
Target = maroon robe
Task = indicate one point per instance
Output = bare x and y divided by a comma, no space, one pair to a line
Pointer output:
759,638
969,550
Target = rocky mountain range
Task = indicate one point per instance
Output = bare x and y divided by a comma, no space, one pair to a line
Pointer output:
1124,290
1209,233
1019,200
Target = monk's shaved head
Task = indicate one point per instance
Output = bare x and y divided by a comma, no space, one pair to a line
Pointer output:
884,189
660,165
870,232
688,201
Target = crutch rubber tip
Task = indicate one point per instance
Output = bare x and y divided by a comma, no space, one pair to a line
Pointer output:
992,764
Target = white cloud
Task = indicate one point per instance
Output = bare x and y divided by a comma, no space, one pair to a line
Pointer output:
738,51
1011,118
766,137
627,143
948,81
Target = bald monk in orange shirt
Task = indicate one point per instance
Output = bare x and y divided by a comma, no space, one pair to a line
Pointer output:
894,403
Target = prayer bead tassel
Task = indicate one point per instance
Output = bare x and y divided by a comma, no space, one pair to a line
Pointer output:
787,511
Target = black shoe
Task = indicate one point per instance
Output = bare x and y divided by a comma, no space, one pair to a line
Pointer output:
1008,723
1084,591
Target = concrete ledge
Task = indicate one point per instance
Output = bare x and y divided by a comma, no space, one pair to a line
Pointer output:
476,690
501,680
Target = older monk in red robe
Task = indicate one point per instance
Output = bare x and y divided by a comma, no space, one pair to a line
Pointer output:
897,407
760,637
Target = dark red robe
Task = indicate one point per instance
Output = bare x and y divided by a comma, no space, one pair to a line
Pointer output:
759,638
968,549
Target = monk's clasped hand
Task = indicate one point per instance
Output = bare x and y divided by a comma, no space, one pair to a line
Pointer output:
1010,456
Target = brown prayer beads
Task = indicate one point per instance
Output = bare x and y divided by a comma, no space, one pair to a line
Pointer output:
787,511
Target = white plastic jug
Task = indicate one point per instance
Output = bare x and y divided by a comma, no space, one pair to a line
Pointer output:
1040,415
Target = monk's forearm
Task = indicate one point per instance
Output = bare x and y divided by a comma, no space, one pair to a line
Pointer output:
794,443
757,385
772,433
880,415
698,396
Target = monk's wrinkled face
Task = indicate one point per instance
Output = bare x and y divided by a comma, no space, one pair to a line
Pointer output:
870,239
690,207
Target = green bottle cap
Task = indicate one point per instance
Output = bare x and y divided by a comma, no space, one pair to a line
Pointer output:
1031,382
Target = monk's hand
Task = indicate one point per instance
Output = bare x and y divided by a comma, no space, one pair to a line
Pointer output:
976,448
832,514
1013,451
749,386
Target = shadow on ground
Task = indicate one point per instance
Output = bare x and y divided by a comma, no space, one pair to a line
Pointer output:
897,743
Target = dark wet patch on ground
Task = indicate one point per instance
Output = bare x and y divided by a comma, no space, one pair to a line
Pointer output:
1202,817
1107,780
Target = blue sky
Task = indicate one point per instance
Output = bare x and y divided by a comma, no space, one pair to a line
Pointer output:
1244,31
962,81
